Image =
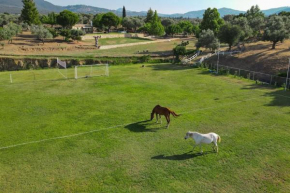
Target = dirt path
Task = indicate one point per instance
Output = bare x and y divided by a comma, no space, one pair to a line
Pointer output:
135,44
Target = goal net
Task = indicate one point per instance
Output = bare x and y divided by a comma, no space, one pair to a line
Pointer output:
86,71
62,68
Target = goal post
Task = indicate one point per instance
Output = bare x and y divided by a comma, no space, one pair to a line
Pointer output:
86,71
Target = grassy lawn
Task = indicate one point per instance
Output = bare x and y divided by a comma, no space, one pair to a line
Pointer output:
117,41
110,146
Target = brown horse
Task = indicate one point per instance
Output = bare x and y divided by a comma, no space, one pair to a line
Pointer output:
158,110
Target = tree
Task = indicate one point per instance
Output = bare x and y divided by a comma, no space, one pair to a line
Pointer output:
66,34
29,13
128,23
196,30
284,13
149,17
41,32
156,28
186,26
173,29
67,19
9,31
246,30
207,40
167,22
53,32
124,12
52,19
43,18
180,50
276,30
256,19
211,20
110,19
4,34
229,18
229,34
97,21
145,28
77,34
137,23
8,18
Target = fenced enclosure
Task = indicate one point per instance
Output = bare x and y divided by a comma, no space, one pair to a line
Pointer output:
259,77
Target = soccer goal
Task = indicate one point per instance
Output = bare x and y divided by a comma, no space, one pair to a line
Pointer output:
86,71
61,67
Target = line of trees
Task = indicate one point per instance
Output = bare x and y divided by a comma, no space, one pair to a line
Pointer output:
251,26
212,29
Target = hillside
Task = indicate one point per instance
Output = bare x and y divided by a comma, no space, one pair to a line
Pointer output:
259,57
15,6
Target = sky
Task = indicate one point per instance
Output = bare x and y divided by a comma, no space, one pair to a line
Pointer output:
175,6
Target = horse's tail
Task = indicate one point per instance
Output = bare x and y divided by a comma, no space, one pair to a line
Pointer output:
219,139
173,113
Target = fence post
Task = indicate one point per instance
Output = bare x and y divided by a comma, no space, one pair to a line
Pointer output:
271,80
11,81
253,75
76,72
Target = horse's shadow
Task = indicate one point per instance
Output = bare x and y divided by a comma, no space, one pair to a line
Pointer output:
180,157
141,127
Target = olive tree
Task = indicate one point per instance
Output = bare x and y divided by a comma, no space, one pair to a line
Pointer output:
9,31
246,30
229,34
207,40
256,19
41,32
276,30
128,23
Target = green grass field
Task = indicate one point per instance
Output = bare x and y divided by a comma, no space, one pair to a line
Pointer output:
93,135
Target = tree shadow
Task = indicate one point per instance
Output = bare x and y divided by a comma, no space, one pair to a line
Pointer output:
156,53
141,127
180,157
166,67
280,98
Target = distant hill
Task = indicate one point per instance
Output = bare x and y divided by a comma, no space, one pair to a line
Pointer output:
15,6
276,10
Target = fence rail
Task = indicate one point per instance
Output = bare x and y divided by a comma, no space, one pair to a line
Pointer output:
259,77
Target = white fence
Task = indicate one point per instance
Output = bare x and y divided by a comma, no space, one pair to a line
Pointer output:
259,77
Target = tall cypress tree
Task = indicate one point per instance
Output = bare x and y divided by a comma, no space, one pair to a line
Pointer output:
124,12
29,13
150,15
156,28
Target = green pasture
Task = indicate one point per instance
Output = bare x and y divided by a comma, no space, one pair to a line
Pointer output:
93,134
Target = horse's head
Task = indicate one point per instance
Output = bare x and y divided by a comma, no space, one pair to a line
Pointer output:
188,134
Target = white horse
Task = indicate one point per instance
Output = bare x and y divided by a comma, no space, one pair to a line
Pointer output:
204,138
